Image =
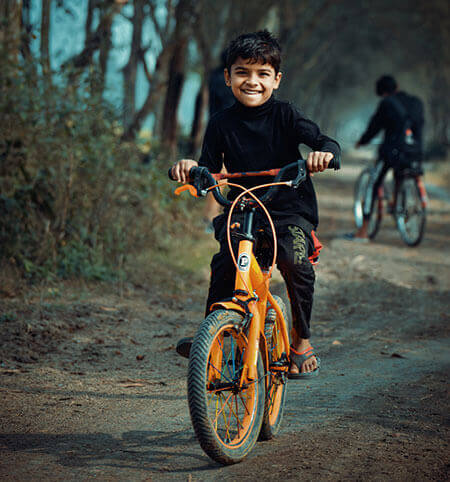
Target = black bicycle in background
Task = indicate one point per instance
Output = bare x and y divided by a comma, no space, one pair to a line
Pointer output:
408,204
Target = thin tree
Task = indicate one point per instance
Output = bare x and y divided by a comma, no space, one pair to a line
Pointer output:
45,37
177,25
130,69
10,15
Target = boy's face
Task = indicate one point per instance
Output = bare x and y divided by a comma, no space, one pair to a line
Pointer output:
252,83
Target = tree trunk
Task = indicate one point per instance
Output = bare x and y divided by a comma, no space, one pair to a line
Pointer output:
173,95
89,19
201,102
158,83
184,16
104,49
93,41
10,15
45,36
26,29
130,70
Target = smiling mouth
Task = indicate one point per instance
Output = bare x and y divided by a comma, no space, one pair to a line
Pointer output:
251,92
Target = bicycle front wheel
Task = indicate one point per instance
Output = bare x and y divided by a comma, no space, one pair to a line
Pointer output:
276,392
361,186
410,213
226,417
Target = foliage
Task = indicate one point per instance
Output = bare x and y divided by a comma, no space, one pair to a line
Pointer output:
74,200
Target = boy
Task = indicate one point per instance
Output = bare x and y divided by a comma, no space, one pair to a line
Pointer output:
258,133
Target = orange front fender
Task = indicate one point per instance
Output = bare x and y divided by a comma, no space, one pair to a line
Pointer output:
227,305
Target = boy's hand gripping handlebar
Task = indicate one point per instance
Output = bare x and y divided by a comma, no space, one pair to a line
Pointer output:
202,181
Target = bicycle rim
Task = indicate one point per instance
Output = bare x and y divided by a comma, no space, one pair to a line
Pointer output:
410,214
359,194
361,187
277,382
226,417
375,217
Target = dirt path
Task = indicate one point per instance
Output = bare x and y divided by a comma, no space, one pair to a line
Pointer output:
91,386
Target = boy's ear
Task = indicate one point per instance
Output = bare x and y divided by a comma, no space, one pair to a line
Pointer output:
226,74
277,80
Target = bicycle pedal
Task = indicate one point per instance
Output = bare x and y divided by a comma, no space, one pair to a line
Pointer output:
271,315
279,364
268,329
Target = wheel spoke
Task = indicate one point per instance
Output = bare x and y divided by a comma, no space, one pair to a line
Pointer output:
223,406
243,402
227,426
220,372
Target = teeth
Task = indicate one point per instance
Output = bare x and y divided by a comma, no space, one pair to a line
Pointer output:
251,92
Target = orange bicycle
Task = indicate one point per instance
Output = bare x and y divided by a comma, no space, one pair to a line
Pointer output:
239,358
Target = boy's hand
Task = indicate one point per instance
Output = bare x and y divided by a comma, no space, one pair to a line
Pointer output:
180,170
318,161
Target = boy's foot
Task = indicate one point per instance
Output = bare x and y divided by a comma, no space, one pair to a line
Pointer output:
354,237
183,347
304,362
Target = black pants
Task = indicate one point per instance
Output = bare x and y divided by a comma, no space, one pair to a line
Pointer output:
379,173
294,248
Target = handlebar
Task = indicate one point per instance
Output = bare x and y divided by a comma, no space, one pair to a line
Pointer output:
201,179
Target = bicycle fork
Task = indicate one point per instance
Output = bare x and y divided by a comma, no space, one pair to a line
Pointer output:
253,281
249,275
422,190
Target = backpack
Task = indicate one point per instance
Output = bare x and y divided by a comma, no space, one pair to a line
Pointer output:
407,152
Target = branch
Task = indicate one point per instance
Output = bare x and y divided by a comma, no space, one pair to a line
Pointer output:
141,56
169,16
93,42
155,22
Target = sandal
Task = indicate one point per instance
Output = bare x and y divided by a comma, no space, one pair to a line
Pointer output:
298,359
354,238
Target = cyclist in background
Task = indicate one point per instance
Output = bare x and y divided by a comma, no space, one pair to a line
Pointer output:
400,116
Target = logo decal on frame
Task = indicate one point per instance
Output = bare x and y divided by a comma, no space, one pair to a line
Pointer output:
243,262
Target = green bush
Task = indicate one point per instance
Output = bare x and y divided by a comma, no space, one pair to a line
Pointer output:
74,200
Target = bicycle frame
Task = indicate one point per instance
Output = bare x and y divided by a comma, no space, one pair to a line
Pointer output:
422,190
252,291
420,184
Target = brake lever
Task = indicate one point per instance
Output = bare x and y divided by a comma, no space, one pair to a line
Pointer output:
197,181
301,174
186,187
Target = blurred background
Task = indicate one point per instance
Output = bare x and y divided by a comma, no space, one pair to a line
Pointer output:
98,97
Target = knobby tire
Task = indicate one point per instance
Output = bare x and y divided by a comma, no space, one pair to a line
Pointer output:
361,187
410,214
226,419
277,382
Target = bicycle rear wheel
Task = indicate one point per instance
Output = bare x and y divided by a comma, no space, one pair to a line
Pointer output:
410,213
361,186
227,418
276,392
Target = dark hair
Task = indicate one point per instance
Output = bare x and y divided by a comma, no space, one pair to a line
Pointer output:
385,85
259,46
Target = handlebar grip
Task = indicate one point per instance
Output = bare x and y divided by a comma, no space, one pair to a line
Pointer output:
335,163
170,175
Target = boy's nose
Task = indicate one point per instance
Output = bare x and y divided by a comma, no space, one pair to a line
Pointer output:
252,81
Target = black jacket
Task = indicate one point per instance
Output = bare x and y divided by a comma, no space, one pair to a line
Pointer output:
266,137
391,116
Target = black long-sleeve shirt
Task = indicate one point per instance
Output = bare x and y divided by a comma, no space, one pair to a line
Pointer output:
390,116
266,137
